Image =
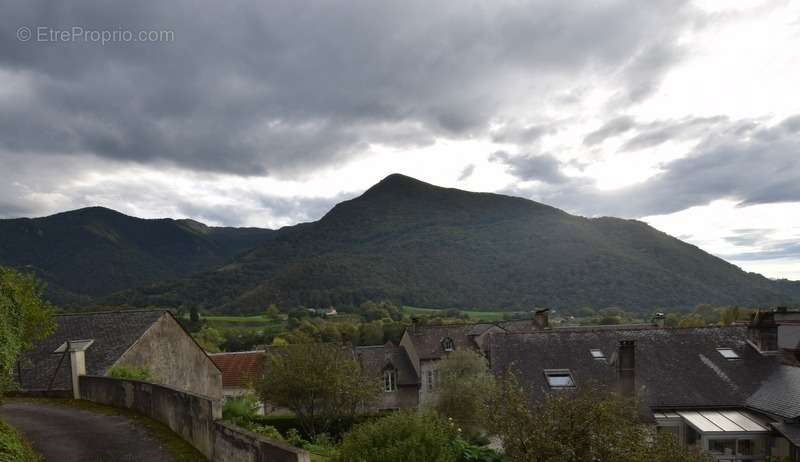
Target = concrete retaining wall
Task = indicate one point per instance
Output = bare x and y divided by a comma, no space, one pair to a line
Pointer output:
235,444
194,418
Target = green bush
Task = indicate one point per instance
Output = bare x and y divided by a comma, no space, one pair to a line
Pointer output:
406,436
472,453
242,407
13,448
130,372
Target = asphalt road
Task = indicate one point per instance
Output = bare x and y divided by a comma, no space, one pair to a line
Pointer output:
64,434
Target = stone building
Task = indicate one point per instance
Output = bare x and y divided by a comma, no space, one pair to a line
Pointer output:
731,391
94,343
391,365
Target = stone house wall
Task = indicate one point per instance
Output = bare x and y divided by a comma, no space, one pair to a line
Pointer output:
174,359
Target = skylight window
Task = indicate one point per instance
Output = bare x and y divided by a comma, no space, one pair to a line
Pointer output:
598,355
728,353
559,378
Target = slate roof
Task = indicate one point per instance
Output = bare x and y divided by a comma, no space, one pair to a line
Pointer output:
113,332
790,431
780,394
240,369
428,338
374,359
675,368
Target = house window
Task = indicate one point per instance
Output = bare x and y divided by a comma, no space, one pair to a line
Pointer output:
559,378
390,380
728,353
430,380
598,355
724,447
448,344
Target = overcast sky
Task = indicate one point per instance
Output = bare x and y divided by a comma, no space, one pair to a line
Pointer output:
684,114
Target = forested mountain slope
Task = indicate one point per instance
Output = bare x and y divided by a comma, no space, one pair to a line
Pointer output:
425,245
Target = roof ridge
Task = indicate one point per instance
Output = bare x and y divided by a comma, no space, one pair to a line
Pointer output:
617,327
236,352
141,310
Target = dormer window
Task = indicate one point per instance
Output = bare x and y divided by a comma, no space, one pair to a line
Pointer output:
559,378
448,344
598,354
390,380
728,353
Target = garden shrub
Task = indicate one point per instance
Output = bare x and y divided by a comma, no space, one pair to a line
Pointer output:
405,436
131,373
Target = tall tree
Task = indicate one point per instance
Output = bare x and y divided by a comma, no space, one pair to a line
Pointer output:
576,426
320,383
25,317
464,390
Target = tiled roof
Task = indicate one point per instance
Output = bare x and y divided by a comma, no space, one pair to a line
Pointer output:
113,333
779,394
374,360
240,369
675,368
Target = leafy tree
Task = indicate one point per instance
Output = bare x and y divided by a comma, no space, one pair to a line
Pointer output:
25,317
465,388
692,320
194,316
209,339
371,333
405,436
319,383
273,312
586,425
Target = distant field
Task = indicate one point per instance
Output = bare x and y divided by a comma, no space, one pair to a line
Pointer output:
473,314
259,322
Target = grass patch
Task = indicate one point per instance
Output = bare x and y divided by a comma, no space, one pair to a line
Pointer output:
179,450
14,448
259,322
472,314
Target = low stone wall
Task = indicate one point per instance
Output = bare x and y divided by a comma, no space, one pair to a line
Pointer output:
194,418
235,444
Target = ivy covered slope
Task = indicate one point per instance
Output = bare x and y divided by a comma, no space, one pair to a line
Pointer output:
425,245
95,251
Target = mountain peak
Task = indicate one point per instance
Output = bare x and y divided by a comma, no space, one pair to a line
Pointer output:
397,182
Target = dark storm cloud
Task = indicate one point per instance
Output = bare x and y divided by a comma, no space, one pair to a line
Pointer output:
252,87
741,161
544,167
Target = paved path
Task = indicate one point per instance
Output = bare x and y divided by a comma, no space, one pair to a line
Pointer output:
65,434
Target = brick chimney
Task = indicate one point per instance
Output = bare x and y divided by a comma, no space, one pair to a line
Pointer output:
541,318
626,367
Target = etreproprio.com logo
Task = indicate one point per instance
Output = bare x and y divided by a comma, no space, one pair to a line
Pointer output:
79,34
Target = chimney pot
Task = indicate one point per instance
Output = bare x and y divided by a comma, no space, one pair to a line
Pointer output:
541,318
658,320
626,367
